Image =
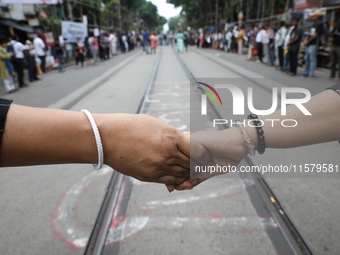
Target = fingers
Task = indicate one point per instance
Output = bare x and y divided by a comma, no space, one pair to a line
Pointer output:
183,153
190,184
171,180
199,153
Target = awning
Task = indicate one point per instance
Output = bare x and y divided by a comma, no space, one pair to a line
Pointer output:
16,25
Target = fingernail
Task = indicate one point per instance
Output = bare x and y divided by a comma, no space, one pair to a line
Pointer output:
188,188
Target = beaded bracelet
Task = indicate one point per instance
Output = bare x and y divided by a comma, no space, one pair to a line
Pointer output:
250,147
260,133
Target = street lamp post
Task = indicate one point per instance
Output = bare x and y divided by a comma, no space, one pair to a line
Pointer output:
240,18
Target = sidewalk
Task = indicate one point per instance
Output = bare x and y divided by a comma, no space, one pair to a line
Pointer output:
66,67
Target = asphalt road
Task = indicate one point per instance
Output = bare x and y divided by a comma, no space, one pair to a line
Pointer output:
51,209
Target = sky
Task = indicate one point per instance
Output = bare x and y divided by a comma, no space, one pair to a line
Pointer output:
166,10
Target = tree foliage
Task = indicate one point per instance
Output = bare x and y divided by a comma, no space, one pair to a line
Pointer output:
105,13
206,13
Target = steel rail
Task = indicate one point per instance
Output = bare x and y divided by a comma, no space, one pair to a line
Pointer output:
295,240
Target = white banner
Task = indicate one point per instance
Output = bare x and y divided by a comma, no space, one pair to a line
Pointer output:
29,1
73,30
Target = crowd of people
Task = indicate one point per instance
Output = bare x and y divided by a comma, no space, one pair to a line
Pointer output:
32,54
278,44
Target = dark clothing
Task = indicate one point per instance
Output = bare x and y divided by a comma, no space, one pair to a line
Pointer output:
146,36
260,51
335,59
318,28
19,68
4,106
43,63
296,32
32,69
293,57
59,49
280,51
336,36
80,58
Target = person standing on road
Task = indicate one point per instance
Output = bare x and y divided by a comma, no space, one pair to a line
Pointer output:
5,59
113,43
265,45
259,43
153,42
281,35
95,48
252,33
79,54
294,45
240,40
32,66
180,42
19,59
312,43
335,50
125,42
59,54
146,43
40,48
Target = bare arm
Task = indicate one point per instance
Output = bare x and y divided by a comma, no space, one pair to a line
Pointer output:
322,126
137,145
227,147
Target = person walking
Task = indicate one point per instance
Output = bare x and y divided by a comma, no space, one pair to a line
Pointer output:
335,50
59,54
180,42
294,45
5,58
19,59
153,42
312,43
32,65
281,35
146,43
40,48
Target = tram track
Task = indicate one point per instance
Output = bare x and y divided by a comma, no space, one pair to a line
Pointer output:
97,238
261,194
293,237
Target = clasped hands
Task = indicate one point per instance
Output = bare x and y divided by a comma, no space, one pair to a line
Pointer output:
151,150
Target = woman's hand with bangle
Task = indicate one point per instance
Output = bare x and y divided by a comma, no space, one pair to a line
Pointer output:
145,148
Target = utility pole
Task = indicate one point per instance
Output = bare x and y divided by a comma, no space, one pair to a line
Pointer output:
216,15
120,15
70,12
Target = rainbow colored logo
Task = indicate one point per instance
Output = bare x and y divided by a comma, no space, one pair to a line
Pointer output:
209,93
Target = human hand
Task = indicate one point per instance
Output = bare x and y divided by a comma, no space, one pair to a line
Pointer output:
225,148
145,148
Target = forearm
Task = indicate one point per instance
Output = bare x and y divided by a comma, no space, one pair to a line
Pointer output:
312,38
35,136
322,126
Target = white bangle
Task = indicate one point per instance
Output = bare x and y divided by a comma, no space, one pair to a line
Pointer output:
98,140
250,147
